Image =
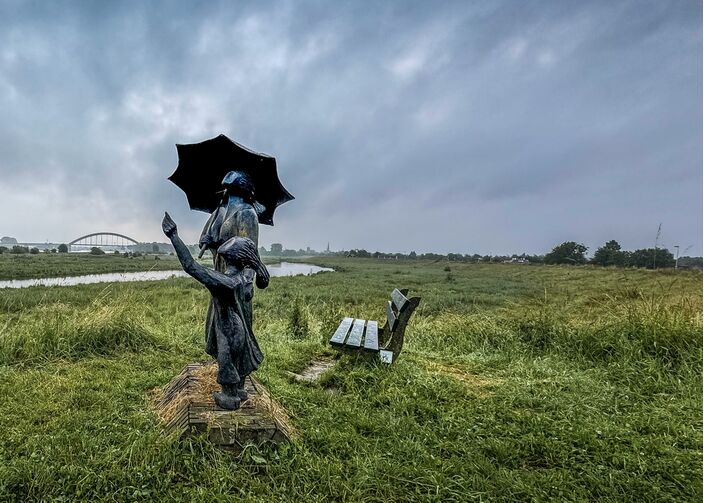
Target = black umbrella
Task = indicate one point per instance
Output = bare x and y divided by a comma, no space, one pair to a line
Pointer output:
202,166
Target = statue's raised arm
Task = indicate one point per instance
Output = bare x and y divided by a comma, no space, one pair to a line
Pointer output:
212,280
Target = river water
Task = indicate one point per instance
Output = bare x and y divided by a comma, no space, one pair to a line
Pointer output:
275,270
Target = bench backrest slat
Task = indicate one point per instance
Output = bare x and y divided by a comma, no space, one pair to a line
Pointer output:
391,316
341,332
399,300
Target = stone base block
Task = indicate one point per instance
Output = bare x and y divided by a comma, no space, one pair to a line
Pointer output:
186,406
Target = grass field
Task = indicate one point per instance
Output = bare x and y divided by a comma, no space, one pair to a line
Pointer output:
516,383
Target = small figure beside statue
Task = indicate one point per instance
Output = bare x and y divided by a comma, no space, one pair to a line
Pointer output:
229,336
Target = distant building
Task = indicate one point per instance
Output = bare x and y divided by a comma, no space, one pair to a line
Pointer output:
517,260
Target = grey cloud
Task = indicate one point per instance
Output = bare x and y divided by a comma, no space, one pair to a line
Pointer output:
484,126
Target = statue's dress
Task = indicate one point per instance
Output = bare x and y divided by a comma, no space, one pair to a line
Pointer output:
229,336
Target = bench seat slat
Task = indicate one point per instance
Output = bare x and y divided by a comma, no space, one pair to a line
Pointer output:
371,338
355,338
338,338
399,299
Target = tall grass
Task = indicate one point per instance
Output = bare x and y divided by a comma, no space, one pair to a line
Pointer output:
516,384
59,330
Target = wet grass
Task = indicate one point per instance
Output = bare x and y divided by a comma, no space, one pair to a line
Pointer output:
516,383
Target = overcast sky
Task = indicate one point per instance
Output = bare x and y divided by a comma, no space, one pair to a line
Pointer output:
488,127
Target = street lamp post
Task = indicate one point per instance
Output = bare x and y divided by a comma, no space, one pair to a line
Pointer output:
677,255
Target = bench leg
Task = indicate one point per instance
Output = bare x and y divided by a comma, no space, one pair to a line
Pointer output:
395,345
386,356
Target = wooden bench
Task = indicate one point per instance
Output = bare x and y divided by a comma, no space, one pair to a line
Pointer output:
365,336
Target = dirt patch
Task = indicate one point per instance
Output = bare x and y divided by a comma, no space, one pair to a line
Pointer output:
314,369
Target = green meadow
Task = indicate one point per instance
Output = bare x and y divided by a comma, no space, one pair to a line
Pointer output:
517,383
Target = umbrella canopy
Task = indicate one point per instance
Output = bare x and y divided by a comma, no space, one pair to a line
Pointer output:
202,167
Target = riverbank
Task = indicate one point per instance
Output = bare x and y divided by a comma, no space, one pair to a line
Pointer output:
516,383
277,270
53,265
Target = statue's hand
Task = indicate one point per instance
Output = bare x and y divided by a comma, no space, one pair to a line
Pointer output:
168,225
206,241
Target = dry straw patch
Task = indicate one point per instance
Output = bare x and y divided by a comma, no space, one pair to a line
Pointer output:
479,385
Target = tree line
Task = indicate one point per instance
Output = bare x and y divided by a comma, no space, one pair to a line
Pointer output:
611,254
569,253
20,250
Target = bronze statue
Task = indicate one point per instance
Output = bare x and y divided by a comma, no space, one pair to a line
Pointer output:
229,335
240,188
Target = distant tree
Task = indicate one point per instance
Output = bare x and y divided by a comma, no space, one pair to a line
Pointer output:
568,252
412,255
116,252
536,259
63,248
359,253
53,250
7,240
34,251
651,257
155,248
610,254
690,262
277,248
3,249
16,249
96,251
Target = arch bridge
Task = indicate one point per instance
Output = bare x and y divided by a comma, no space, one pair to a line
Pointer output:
104,239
